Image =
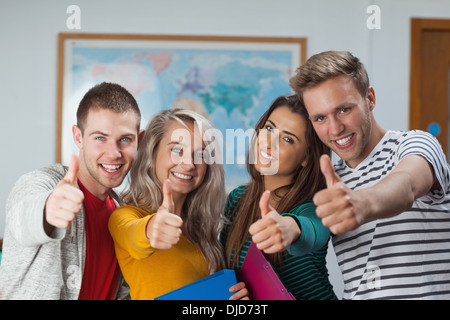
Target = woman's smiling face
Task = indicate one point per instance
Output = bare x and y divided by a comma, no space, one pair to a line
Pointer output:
179,159
281,145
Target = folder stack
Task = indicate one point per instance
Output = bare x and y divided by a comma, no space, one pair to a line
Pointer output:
257,273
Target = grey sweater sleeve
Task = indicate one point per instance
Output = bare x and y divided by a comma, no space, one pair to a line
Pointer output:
26,203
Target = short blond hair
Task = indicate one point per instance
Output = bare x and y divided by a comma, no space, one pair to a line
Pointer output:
329,65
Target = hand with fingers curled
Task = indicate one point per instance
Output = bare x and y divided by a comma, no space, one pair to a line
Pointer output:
240,291
164,228
65,201
273,232
340,208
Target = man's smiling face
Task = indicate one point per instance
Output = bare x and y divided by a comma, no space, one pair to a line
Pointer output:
342,117
108,148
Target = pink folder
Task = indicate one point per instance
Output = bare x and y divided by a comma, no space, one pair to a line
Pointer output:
260,279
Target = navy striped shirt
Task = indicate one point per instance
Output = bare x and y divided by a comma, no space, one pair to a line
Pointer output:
306,276
406,256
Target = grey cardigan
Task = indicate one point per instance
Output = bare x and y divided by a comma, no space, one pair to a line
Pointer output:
34,265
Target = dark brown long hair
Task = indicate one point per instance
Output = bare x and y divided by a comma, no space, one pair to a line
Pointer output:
307,181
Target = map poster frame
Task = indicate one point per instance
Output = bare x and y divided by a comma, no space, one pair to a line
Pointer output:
69,63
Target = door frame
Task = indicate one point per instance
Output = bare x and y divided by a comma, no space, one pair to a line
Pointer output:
418,27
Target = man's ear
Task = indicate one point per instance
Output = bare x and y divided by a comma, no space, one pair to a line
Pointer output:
77,136
140,136
371,98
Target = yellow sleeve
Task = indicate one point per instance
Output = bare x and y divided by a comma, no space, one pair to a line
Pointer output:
127,226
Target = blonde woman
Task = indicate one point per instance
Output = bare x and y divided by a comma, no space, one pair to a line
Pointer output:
166,235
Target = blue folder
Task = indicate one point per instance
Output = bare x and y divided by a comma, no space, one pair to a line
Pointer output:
212,287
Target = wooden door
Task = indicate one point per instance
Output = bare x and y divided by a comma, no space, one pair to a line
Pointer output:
429,78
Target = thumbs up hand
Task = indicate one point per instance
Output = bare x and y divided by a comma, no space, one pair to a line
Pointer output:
340,208
273,232
164,228
65,201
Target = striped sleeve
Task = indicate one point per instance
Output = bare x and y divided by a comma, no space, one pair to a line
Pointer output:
422,143
406,256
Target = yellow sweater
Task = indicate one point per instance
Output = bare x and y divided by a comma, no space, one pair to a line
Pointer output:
150,272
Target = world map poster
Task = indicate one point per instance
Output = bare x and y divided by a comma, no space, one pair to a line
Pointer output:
232,83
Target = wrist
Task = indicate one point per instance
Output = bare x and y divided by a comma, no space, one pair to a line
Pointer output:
148,225
294,226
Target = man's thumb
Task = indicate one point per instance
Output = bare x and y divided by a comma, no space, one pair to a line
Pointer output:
71,175
328,171
264,203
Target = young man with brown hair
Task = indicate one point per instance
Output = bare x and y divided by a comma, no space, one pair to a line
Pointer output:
57,244
387,199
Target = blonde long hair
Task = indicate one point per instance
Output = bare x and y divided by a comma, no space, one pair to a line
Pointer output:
203,207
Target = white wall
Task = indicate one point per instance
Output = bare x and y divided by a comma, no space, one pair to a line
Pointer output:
28,54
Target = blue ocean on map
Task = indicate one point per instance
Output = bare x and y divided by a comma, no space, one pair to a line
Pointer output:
233,88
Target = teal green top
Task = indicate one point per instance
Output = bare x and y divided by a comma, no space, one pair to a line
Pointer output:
303,270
